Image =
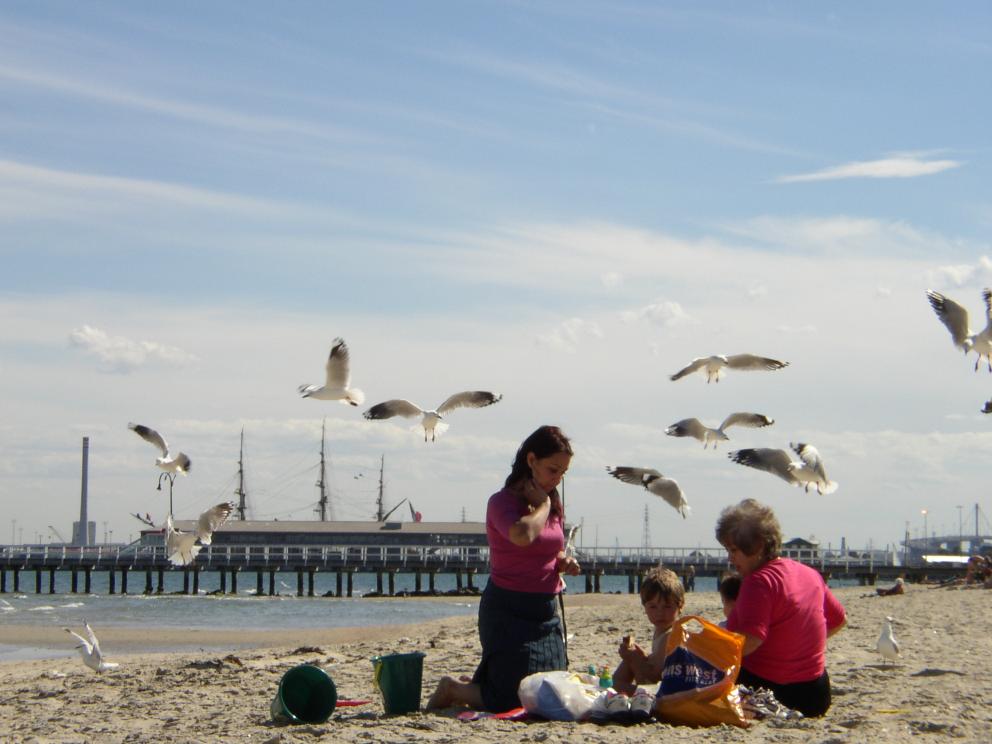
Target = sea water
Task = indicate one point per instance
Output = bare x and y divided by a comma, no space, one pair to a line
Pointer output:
244,611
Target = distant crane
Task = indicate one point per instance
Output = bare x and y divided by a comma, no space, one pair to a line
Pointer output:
58,534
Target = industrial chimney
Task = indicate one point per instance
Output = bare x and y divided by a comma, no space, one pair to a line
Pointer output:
82,534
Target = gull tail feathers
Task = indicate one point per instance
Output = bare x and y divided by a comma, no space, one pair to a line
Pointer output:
355,397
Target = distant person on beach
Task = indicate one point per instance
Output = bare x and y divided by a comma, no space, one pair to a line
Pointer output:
896,588
662,597
690,578
519,624
784,610
729,587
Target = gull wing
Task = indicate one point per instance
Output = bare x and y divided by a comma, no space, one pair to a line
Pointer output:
690,427
750,361
150,435
469,399
669,490
338,366
811,456
694,365
211,519
92,637
85,643
633,476
774,461
390,408
750,420
952,315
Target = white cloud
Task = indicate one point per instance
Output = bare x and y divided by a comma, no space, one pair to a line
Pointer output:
611,279
665,313
121,355
568,335
907,166
959,275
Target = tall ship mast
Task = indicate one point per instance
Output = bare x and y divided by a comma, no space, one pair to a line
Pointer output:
242,507
323,506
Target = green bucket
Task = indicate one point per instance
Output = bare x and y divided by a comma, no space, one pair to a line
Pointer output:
306,694
399,677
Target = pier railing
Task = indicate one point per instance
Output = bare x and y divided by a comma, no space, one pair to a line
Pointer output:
420,557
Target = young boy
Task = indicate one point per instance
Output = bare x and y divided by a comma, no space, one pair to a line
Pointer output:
729,587
662,597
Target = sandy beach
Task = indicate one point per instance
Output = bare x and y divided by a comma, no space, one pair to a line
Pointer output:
941,687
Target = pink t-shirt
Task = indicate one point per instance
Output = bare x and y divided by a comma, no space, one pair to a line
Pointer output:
522,569
789,607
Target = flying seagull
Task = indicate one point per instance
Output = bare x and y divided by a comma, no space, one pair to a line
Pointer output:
431,420
338,379
807,471
955,318
181,547
654,482
887,645
89,649
178,463
693,427
714,366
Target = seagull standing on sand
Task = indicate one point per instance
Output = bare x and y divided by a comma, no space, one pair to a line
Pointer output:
807,471
714,366
654,482
89,649
955,318
431,420
693,427
887,645
338,378
179,463
181,547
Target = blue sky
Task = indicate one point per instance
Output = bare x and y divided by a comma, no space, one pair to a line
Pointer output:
563,201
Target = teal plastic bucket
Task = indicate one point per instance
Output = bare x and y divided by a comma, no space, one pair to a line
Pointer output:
306,694
399,678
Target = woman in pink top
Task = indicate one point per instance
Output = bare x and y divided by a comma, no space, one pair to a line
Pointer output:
519,626
784,611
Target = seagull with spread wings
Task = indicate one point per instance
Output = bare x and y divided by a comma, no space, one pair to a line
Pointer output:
655,483
806,472
338,379
89,649
715,366
178,463
181,547
955,319
431,420
693,427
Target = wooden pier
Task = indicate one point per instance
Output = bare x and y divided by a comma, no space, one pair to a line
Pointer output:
143,568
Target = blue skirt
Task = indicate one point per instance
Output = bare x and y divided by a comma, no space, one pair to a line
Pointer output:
521,634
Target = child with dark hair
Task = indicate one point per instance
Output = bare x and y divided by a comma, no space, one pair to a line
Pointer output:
729,587
662,597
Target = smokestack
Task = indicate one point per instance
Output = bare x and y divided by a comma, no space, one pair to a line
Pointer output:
83,534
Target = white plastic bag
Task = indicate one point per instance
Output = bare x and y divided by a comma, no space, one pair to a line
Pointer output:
558,696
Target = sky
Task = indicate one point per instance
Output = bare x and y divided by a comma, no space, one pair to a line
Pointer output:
563,202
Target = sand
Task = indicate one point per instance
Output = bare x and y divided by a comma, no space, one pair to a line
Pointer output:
941,688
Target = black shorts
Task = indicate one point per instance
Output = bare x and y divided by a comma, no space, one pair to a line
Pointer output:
809,698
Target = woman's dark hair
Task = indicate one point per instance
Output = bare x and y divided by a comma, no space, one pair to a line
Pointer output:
546,441
751,527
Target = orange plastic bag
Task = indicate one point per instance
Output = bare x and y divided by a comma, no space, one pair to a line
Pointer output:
702,661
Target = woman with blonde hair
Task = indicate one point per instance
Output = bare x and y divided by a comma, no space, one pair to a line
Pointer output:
784,610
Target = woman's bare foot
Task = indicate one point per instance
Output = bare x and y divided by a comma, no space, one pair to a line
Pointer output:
451,691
